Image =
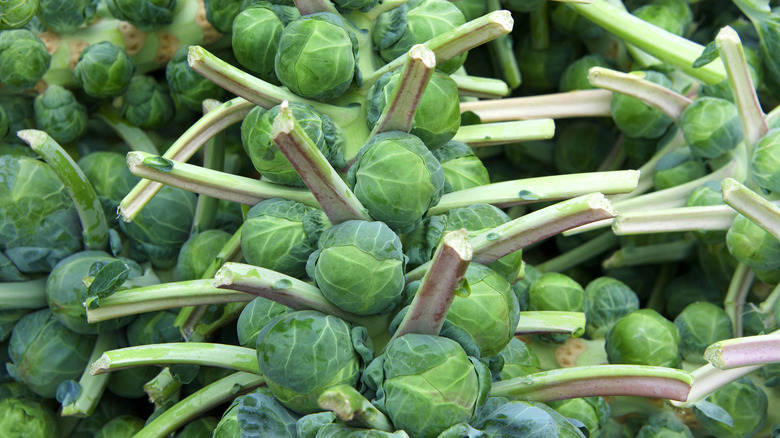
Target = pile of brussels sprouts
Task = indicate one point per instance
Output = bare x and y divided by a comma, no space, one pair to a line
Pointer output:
389,218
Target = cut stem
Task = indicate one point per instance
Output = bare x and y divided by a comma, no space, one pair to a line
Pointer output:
549,321
92,387
491,134
213,158
764,213
715,217
189,353
747,351
583,103
351,407
483,88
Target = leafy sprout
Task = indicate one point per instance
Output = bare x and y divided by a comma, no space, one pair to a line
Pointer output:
25,417
23,59
103,70
59,114
66,16
147,103
144,14
644,337
255,40
188,88
198,252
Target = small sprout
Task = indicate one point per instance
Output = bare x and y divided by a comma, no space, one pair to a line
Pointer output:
766,161
147,104
66,16
198,252
254,317
636,118
644,337
121,426
222,13
701,324
556,291
575,77
462,168
746,405
706,195
593,412
670,15
112,180
752,245
23,58
26,417
711,127
59,114
515,360
677,167
103,70
607,300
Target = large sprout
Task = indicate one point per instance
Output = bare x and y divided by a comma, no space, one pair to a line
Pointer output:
64,16
103,70
59,114
711,126
644,337
23,59
752,245
607,300
701,324
258,29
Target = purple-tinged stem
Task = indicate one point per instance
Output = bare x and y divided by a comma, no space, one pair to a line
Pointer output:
306,7
746,351
709,379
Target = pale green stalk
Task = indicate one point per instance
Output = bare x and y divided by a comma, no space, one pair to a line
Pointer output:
549,321
709,379
580,254
581,103
714,217
188,353
491,134
502,54
736,294
213,158
764,213
30,294
483,88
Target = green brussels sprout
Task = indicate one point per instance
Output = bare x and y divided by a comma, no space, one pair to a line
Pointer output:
228,426
664,424
260,414
198,252
745,403
313,342
359,266
542,69
607,300
256,37
677,167
593,412
415,22
162,227
397,179
254,317
644,337
35,235
636,118
639,150
752,245
110,407
123,426
59,114
309,425
711,126
765,162
221,13
201,427
501,418
103,70
756,322
337,430
471,9
265,155
44,353
143,14
147,104
186,85
11,388
462,168
515,360
425,384
707,194
112,180
719,266
317,56
701,324
21,417
363,5
575,77
582,146
153,328
66,292
66,16
280,235
556,291
16,13
437,117
23,59
671,15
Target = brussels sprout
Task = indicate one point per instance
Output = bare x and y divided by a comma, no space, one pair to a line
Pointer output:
397,179
700,325
20,417
44,353
256,37
556,291
254,317
607,300
35,235
593,412
16,13
19,114
757,322
639,150
515,360
462,169
59,114
719,266
201,427
711,126
664,424
677,167
123,426
23,58
745,403
415,22
66,16
228,425
112,180
437,117
575,77
66,292
198,252
582,146
162,227
671,15
147,104
636,118
187,86
317,56
359,266
265,155
144,14
110,407
425,384
221,13
153,328
706,195
318,354
644,337
103,70
309,425
260,414
688,288
337,430
752,245
5,122
501,418
542,69
765,162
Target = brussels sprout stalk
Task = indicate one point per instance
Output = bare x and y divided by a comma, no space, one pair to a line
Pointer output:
200,402
483,88
750,113
580,103
490,134
333,194
93,219
651,254
599,380
740,352
183,149
715,217
736,294
91,387
550,321
189,353
438,287
350,406
398,114
30,294
580,254
213,158
162,387
221,185
633,84
540,189
664,45
708,379
756,208
501,54
133,136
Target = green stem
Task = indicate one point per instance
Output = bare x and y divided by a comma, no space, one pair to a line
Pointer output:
490,134
134,137
213,158
30,294
715,217
582,103
651,254
539,28
764,213
189,353
483,88
92,387
736,294
548,321
580,254
162,387
502,54
709,379
768,305
93,220
747,351
229,113
601,380
209,182
333,194
664,45
200,402
350,406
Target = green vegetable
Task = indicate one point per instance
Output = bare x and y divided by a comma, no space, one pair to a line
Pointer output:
258,29
188,88
254,317
701,324
147,104
16,13
607,300
752,245
501,418
221,13
764,163
124,426
462,168
593,412
636,118
644,337
556,291
746,405
23,58
64,16
103,70
144,14
21,417
515,360
711,126
59,114
198,252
